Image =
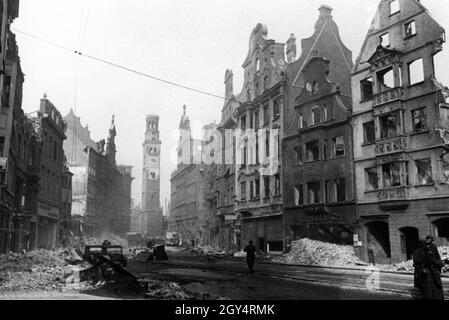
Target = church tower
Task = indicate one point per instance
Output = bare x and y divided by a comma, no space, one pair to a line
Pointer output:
151,206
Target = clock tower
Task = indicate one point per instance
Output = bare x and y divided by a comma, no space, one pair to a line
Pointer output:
151,182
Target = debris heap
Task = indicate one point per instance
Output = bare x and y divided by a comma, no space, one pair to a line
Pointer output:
312,252
163,290
39,269
407,266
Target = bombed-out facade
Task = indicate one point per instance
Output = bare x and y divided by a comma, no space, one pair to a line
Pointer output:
401,191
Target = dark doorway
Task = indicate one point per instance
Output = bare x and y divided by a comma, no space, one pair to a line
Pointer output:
409,241
378,240
261,244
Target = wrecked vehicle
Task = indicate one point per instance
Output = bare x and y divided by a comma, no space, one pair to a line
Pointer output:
114,253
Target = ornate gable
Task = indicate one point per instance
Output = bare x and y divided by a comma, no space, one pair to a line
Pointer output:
316,81
383,57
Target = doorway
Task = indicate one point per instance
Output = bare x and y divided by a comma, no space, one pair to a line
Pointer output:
378,240
261,244
409,241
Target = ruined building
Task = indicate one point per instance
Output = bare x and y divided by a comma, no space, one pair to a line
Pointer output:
19,146
152,213
101,188
78,138
53,171
317,157
401,189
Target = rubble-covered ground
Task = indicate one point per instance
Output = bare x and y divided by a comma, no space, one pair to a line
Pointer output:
48,269
36,270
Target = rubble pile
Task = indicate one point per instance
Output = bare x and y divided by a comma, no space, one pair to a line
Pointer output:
34,270
240,254
162,290
407,266
81,242
16,262
205,250
311,252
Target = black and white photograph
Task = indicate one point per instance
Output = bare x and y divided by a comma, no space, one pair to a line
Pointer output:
201,152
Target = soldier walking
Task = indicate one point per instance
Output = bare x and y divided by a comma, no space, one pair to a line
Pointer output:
250,250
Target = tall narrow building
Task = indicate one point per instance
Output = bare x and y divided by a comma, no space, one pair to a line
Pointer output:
151,182
400,186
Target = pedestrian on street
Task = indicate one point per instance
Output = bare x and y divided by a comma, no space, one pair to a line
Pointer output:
250,250
428,265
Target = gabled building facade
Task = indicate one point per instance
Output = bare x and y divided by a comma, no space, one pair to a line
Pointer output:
258,187
318,179
401,194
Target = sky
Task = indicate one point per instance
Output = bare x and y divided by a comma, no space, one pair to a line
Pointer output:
190,42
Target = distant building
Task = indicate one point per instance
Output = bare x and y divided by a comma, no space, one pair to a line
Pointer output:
125,200
151,179
190,210
78,138
228,229
101,189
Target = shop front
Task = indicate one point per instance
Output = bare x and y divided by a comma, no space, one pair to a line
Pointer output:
326,223
266,232
48,226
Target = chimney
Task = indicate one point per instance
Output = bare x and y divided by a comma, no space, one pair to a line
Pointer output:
291,48
325,11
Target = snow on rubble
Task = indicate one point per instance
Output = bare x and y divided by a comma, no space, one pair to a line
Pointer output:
312,252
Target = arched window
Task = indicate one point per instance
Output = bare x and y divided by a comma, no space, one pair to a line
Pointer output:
316,88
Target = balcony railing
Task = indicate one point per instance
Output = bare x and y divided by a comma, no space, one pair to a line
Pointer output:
394,194
388,96
391,145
